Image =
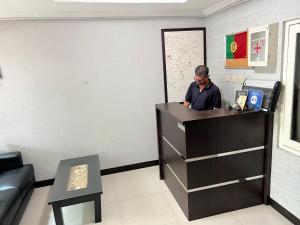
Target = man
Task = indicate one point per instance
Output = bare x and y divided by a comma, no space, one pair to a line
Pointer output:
202,94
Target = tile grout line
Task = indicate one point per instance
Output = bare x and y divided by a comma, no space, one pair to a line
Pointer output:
178,219
235,218
139,197
163,192
117,201
154,179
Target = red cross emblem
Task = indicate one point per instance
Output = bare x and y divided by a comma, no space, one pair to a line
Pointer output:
257,48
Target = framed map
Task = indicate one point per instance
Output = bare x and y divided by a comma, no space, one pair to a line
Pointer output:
183,50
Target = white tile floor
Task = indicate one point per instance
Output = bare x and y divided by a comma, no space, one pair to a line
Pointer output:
139,198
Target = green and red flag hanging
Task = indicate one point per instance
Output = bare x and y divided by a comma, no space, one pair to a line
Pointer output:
237,50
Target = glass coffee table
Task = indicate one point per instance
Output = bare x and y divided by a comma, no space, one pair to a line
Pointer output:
77,180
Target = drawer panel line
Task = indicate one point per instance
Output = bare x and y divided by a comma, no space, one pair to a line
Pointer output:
226,154
214,185
214,155
181,127
174,149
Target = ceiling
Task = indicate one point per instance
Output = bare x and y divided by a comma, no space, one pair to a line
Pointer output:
51,9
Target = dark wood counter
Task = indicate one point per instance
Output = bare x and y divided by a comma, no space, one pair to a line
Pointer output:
214,161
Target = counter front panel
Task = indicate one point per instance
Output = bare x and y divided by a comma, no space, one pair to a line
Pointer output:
224,134
214,161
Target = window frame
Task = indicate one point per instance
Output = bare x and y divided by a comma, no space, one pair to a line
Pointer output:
292,28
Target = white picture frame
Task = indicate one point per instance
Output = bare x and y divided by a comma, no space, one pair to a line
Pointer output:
258,40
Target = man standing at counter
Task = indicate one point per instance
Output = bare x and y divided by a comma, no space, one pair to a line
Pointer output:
202,94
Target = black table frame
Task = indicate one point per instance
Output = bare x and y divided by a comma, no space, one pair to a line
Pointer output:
57,207
60,198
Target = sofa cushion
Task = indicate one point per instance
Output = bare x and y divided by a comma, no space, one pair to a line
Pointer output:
22,179
10,200
10,161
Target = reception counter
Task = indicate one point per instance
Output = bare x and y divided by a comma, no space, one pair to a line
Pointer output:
214,161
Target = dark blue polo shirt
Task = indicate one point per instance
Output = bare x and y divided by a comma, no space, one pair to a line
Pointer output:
207,99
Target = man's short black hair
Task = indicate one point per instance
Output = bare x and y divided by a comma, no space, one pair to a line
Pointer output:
202,71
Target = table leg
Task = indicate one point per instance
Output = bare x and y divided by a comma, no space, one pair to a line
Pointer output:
161,169
58,215
97,202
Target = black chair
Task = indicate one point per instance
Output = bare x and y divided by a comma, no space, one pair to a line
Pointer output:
16,187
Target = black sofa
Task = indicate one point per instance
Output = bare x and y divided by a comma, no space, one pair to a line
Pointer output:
16,187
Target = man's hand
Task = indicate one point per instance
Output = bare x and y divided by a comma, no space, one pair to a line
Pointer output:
186,104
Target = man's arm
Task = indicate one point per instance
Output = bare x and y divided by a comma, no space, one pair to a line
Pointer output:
217,99
188,97
186,104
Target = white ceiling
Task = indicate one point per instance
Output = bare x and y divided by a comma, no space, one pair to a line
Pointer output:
50,8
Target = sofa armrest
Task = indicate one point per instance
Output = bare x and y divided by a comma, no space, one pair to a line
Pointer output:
10,161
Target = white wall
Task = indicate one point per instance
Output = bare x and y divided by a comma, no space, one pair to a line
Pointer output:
285,182
79,87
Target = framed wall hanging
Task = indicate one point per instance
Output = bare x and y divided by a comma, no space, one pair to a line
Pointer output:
258,46
183,49
236,54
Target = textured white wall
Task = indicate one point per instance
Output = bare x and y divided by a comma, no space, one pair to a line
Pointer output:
79,87
58,103
285,184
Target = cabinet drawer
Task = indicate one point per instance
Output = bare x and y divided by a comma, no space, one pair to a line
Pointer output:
207,202
214,169
175,160
226,198
179,193
174,132
223,168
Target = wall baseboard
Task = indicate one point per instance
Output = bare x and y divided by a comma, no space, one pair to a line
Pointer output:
43,183
104,172
283,211
129,167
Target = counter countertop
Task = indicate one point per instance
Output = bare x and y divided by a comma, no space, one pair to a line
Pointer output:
183,114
